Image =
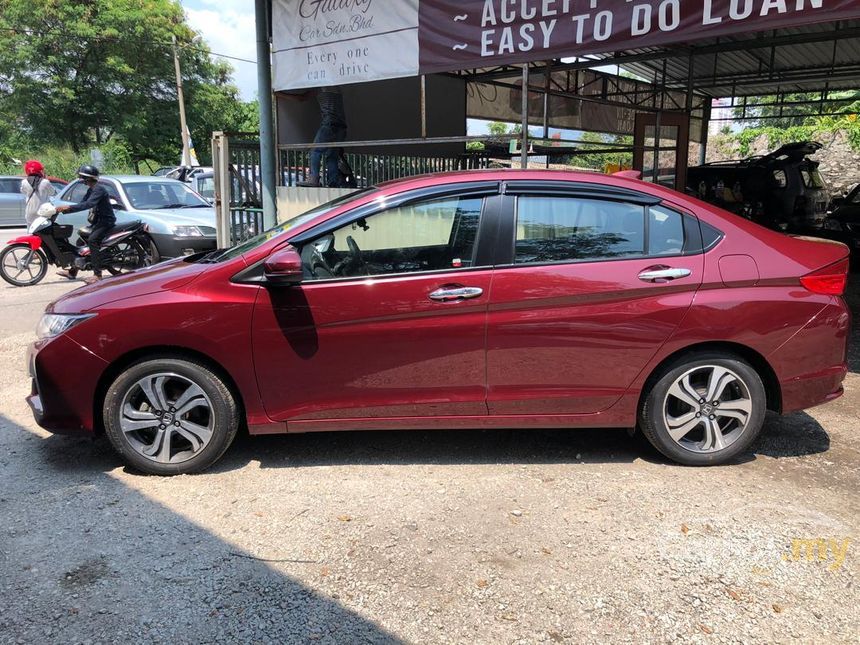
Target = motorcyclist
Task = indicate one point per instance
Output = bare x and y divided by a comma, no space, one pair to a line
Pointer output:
102,220
36,189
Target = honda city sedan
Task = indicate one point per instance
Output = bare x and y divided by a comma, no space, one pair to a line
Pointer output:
490,299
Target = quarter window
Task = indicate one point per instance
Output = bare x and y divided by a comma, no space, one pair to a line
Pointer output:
572,229
431,235
113,193
76,193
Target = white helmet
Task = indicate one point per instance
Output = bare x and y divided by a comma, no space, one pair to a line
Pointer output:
47,210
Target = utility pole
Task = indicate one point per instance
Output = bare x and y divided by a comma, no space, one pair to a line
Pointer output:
268,162
186,147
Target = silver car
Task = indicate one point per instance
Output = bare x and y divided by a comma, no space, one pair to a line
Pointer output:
12,201
180,221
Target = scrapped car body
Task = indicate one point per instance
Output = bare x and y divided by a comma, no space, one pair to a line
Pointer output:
782,190
489,299
843,223
179,221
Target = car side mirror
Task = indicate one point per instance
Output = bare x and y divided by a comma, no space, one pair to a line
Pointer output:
116,204
284,267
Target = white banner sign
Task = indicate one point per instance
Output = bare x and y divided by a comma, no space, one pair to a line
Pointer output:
318,43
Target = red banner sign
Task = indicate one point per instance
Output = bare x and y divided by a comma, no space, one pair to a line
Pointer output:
462,34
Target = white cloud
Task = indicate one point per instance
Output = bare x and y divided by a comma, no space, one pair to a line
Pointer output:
228,28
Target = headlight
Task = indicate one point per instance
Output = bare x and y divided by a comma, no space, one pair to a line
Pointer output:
52,325
832,225
187,231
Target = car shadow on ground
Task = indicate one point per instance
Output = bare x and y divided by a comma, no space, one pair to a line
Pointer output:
794,435
96,558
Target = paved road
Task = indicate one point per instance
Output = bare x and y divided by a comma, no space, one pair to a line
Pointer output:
21,307
466,537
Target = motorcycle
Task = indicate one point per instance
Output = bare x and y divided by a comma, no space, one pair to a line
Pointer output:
24,262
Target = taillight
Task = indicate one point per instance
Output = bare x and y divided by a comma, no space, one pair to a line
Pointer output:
830,280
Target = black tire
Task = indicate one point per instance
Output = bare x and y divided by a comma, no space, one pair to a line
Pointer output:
154,254
134,256
653,421
222,406
8,264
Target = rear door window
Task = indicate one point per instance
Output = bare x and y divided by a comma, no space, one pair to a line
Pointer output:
574,229
570,229
10,185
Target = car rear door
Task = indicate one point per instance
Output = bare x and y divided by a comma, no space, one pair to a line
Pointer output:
397,335
593,284
11,202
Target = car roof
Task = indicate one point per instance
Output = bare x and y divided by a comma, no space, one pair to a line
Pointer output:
140,179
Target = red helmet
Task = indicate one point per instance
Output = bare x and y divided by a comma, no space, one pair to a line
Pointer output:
34,167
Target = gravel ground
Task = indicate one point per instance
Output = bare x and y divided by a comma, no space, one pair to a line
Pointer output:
447,537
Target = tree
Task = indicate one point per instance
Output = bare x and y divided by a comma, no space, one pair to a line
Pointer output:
81,73
497,128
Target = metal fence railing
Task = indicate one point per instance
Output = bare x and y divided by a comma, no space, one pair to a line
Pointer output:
372,168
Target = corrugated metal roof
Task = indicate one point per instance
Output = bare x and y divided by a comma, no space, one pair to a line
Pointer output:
830,63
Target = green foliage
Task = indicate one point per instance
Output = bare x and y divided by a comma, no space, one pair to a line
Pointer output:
64,162
813,128
798,122
475,145
497,128
79,74
599,160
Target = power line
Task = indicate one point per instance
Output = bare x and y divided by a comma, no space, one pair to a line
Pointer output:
54,32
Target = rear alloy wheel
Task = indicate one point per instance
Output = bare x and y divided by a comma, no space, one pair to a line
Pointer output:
170,416
126,256
21,266
705,410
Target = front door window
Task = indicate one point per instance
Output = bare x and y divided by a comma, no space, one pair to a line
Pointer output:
434,235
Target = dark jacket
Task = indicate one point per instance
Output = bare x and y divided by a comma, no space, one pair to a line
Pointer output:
98,199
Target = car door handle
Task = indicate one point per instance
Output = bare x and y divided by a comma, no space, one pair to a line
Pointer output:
451,294
663,274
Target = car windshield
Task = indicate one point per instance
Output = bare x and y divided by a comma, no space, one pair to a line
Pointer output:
262,238
162,194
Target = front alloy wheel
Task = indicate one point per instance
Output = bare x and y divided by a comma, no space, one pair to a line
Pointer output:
168,416
704,410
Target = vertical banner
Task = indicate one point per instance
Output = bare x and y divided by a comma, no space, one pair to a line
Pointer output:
318,43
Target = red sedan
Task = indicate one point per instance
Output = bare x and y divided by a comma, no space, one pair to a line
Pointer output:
470,300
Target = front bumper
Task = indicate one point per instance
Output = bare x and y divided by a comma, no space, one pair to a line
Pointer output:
171,246
64,379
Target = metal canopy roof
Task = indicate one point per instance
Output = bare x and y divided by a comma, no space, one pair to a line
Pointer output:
816,57
812,58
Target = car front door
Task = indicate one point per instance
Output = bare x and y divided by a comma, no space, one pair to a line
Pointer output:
595,285
390,319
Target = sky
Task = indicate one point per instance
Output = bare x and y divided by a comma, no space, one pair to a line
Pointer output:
228,28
